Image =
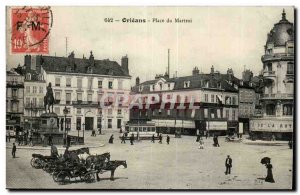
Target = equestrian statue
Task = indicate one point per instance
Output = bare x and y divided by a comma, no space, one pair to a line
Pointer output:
49,99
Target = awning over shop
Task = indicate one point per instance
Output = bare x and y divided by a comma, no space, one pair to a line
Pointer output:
216,125
171,123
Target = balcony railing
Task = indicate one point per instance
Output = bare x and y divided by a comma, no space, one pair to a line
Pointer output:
269,73
277,56
278,96
78,102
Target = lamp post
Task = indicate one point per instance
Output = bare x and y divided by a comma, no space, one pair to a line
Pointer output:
83,126
101,116
66,132
31,109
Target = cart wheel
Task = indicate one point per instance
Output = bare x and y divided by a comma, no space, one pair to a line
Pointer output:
89,177
55,176
36,163
63,177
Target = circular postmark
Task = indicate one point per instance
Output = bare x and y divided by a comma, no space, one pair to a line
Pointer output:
31,27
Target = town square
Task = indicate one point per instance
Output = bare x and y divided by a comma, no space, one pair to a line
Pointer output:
140,102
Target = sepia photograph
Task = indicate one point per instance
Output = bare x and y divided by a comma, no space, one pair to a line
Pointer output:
150,97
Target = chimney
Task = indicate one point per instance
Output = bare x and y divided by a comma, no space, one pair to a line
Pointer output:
38,63
124,64
229,74
195,71
27,60
137,81
212,69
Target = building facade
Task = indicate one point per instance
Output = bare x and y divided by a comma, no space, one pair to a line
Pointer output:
278,74
14,99
217,102
78,84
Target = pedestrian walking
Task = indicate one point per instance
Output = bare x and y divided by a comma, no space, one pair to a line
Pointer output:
201,144
216,141
30,141
153,138
25,138
198,138
111,139
123,139
50,140
228,165
99,131
131,139
160,139
206,134
93,133
8,137
269,177
168,139
14,149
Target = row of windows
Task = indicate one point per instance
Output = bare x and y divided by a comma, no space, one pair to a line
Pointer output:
216,99
290,67
287,109
34,102
79,97
34,89
89,84
208,113
57,110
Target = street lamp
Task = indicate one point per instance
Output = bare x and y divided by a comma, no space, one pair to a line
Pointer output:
83,126
66,132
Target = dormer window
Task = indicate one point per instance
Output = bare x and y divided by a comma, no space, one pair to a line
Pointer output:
140,88
68,69
219,85
160,86
169,85
153,87
28,76
90,70
186,84
41,77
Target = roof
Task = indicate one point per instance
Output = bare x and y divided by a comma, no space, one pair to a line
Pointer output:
282,32
81,65
196,81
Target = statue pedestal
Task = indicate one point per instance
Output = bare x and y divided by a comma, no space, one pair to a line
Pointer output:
48,123
49,126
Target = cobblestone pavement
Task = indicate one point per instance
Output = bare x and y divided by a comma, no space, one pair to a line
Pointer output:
179,165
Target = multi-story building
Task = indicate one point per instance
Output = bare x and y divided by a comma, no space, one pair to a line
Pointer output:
248,89
278,95
217,100
79,84
14,98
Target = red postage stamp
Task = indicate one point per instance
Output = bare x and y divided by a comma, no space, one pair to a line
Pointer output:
30,29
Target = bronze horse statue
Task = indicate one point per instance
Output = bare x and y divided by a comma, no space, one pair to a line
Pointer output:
49,99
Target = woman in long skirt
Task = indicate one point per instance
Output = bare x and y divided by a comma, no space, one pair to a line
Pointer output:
269,177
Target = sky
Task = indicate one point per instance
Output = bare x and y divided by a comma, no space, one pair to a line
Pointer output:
225,37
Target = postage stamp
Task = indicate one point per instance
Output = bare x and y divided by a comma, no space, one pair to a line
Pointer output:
30,29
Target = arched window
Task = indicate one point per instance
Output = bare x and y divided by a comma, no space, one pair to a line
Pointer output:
270,109
287,110
290,68
41,77
28,76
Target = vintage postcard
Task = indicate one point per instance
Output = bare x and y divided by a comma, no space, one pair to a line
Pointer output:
150,98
